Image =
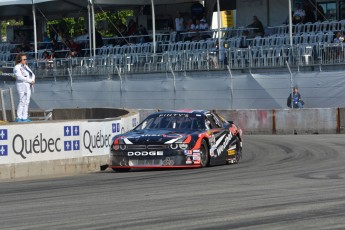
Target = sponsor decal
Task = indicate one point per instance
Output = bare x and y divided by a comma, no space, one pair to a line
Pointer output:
196,158
145,153
39,144
189,161
67,131
3,137
231,152
150,135
220,145
3,134
3,150
67,145
115,127
76,145
75,130
188,152
96,140
174,115
221,148
168,162
134,122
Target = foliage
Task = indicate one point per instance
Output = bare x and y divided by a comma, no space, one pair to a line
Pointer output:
106,22
6,23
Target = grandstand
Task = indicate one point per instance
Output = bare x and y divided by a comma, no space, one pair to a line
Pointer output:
313,45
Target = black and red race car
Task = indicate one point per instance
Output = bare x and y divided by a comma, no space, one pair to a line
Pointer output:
177,139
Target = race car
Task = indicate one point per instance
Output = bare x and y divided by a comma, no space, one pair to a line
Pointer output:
177,139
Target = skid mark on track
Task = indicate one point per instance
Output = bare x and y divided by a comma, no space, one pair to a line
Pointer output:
322,175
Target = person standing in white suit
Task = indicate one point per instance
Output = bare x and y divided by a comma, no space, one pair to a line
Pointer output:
25,79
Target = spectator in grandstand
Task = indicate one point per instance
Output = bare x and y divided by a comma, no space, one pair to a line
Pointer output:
244,39
25,79
336,50
25,47
295,100
143,34
74,48
309,12
99,39
257,26
203,24
298,15
190,32
204,27
131,28
46,56
179,26
339,37
320,13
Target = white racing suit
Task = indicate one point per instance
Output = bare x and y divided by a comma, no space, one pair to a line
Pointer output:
24,78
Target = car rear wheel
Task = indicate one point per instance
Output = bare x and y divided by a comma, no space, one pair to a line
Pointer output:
238,153
204,155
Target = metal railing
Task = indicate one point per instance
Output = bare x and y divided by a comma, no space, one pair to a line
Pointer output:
205,57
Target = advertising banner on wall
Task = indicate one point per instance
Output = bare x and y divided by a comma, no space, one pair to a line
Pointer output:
30,142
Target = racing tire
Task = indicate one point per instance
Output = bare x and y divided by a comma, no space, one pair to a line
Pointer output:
204,154
238,154
121,170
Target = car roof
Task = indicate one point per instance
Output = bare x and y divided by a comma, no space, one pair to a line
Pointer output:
203,112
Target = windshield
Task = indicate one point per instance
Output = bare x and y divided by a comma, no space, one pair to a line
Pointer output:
172,121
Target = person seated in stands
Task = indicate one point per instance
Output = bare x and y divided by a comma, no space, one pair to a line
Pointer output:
74,48
204,27
131,28
339,37
142,32
298,15
189,28
320,13
99,39
55,45
25,46
46,56
203,24
338,49
257,26
309,12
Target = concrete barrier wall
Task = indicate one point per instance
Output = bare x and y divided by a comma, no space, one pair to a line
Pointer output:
287,121
283,121
59,147
341,121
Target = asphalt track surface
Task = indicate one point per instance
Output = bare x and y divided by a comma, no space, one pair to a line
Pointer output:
282,182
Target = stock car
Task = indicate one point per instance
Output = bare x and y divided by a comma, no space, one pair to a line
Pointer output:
177,139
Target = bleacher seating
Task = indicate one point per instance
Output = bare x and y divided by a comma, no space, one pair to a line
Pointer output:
312,44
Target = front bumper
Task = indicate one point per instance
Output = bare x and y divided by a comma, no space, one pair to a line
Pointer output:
155,159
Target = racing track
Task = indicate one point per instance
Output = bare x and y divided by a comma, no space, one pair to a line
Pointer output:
283,182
